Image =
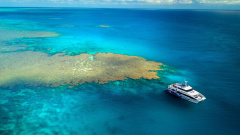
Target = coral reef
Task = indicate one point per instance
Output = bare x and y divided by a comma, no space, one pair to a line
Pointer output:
8,34
66,25
39,69
106,26
102,26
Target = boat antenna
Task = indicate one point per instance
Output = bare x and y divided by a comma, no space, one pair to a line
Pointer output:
185,82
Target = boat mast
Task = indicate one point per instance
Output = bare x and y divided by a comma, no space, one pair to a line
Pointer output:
185,82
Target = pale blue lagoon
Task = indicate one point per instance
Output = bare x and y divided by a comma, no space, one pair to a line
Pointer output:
200,46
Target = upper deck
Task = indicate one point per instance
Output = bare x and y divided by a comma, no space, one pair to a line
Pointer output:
182,86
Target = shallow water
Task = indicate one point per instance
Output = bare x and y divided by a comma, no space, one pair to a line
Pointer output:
199,46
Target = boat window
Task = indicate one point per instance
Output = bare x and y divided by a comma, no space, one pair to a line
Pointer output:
188,90
188,96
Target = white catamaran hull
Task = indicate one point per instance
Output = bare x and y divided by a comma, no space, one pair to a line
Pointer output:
181,96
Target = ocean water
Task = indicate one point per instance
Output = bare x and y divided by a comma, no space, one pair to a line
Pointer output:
201,46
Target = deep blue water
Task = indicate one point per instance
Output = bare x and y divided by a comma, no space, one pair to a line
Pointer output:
201,46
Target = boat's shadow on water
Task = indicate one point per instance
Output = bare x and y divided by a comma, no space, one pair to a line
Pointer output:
151,96
169,99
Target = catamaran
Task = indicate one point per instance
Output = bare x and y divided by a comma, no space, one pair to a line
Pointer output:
186,92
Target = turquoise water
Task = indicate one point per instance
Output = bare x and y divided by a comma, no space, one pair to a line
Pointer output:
199,46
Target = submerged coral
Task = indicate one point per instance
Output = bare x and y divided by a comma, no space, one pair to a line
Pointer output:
9,34
36,68
106,26
102,26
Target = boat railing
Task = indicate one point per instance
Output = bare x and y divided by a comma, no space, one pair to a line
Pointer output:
200,95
